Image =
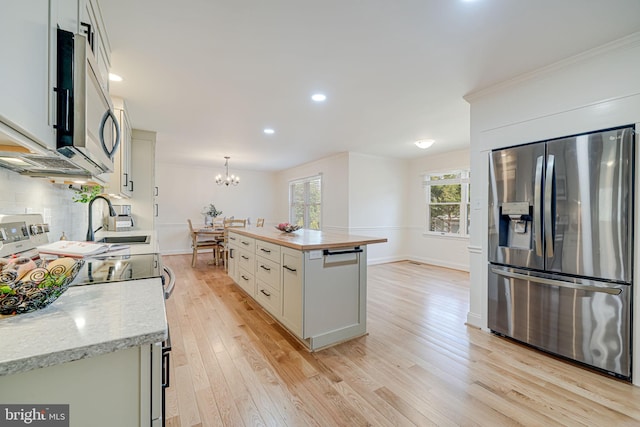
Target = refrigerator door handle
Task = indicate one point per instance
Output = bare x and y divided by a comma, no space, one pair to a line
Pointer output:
549,220
554,282
537,206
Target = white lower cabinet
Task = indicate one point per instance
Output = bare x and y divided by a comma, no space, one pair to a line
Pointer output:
292,290
232,262
123,388
268,280
269,298
246,280
318,295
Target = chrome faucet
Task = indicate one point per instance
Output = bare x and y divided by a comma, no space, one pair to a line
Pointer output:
90,236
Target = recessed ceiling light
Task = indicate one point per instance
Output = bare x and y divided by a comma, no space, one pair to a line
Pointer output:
115,77
269,131
318,97
424,143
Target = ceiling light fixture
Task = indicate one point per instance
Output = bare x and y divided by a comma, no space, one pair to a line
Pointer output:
318,97
228,179
269,131
115,77
424,143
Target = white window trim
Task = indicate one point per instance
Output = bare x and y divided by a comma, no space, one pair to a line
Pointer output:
464,180
306,181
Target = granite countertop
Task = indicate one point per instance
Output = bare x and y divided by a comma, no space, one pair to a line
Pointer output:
86,321
305,240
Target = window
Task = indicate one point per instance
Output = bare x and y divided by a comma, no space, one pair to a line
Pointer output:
305,202
448,206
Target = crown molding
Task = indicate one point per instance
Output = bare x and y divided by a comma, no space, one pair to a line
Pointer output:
627,42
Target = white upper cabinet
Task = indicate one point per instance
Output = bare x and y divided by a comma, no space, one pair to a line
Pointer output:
92,26
27,40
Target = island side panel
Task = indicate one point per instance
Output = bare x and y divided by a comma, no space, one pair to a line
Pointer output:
334,297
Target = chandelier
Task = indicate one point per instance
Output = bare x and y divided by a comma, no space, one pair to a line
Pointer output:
228,179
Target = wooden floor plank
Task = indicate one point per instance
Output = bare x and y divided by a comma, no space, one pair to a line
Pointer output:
233,365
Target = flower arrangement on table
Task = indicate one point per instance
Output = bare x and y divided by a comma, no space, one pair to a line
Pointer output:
288,228
210,212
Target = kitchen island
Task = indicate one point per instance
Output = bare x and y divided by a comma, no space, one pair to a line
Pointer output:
314,283
97,348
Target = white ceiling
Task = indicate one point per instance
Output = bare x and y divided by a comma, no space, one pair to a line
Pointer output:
210,75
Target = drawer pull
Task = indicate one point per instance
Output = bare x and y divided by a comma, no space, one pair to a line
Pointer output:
265,268
289,268
245,257
265,292
245,243
232,238
245,278
267,251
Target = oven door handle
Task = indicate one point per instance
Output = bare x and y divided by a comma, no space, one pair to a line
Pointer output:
168,290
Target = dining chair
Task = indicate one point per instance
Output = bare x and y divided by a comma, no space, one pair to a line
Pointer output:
224,245
260,222
199,243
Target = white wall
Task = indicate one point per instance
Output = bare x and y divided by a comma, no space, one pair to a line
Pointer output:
596,90
335,190
186,189
378,196
20,194
446,251
378,204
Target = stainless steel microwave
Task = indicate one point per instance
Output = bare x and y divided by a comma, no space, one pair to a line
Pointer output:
87,131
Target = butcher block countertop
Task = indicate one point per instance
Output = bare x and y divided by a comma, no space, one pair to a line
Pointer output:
306,240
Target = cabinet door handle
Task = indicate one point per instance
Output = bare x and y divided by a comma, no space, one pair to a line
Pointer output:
165,369
265,292
267,251
265,268
289,268
131,186
156,193
126,179
157,209
89,34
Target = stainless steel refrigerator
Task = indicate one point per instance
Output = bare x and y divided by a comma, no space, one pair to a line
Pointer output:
561,246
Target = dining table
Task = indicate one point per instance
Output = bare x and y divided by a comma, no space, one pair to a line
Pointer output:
208,233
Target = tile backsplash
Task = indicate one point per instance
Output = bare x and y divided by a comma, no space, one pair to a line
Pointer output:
22,194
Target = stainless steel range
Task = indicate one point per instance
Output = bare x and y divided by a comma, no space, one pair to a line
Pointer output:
21,233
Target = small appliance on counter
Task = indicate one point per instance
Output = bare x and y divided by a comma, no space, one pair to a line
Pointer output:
123,221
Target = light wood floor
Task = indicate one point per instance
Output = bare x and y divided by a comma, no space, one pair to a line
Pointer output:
232,365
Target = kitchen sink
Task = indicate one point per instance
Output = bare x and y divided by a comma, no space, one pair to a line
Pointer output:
132,240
